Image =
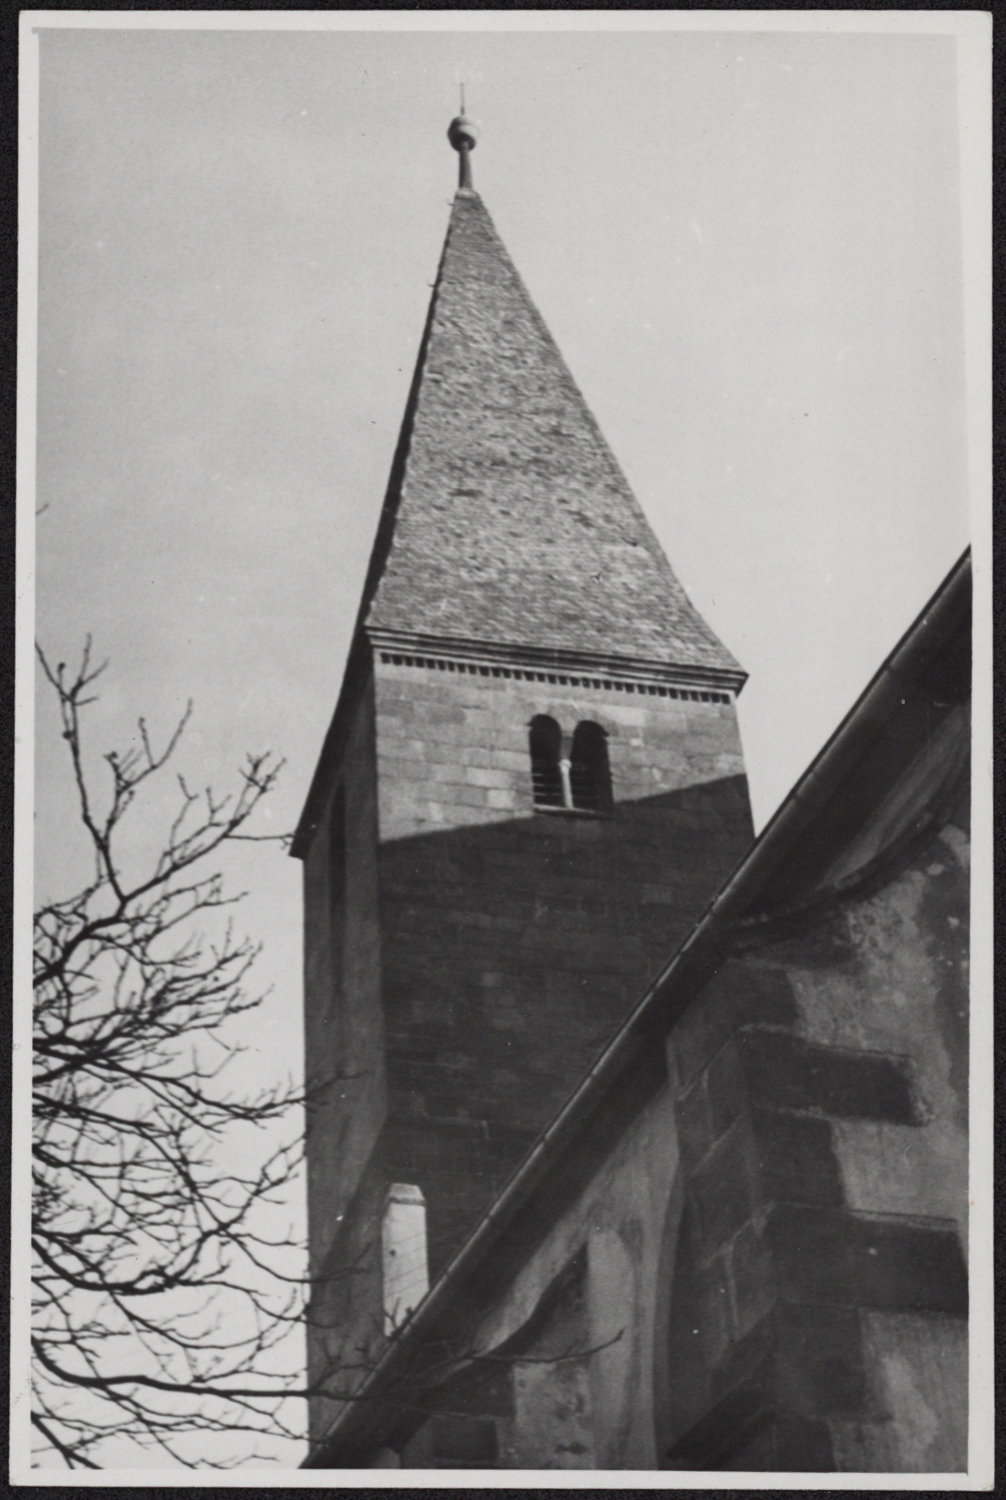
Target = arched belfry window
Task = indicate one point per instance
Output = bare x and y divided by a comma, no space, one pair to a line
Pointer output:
589,771
546,754
579,783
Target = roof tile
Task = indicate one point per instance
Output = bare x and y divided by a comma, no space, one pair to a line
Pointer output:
509,520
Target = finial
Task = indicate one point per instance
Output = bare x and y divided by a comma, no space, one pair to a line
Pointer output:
463,135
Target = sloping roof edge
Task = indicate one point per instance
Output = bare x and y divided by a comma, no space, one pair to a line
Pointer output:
364,1420
349,688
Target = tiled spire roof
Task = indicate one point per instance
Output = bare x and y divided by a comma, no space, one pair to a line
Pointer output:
507,519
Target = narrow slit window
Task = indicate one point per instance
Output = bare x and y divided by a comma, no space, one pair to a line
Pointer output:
589,770
546,753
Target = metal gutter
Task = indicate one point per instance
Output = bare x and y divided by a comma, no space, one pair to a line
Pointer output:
919,645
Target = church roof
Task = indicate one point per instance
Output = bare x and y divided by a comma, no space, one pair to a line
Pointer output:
507,520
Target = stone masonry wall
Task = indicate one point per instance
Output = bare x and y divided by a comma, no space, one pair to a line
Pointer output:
515,941
771,1272
820,1291
568,1381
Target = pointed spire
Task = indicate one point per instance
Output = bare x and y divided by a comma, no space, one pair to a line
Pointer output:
507,519
463,135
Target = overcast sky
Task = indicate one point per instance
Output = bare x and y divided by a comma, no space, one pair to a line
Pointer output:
747,246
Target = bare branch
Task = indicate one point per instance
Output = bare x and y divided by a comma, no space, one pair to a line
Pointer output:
143,1240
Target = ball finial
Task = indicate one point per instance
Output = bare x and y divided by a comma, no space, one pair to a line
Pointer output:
462,133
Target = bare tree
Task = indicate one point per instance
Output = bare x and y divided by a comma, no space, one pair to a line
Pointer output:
159,1296
158,1293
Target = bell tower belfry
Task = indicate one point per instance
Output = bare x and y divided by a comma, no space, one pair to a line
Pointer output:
531,787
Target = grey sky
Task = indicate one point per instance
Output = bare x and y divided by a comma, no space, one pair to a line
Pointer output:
747,246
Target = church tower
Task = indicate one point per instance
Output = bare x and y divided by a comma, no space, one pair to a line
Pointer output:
531,787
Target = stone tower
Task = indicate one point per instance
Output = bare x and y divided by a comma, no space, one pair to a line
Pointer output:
531,787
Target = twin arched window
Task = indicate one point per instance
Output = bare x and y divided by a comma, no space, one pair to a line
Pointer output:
581,783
